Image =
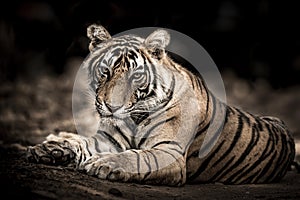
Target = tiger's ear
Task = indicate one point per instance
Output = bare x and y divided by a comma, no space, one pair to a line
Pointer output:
97,34
156,43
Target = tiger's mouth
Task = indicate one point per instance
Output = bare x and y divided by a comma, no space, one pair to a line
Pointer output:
123,113
116,112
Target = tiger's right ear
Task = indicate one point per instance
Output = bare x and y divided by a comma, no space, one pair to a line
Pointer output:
97,34
156,43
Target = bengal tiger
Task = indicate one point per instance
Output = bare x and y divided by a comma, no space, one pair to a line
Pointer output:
153,117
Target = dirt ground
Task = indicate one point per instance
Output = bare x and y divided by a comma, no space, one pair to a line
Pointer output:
32,108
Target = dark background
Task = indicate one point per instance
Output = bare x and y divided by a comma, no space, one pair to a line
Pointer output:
256,39
254,43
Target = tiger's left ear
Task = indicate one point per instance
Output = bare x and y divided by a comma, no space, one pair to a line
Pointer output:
156,43
97,34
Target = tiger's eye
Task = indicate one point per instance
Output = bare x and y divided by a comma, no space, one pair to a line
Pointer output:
104,70
137,75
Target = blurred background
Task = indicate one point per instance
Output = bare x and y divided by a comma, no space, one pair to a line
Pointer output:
256,39
255,44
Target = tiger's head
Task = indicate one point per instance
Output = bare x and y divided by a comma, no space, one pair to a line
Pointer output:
128,74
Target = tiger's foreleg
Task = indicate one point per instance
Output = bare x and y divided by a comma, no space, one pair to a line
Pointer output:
154,166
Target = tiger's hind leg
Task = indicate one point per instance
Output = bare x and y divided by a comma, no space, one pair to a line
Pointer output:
56,150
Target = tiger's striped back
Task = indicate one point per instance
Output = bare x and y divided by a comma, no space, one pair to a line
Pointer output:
251,149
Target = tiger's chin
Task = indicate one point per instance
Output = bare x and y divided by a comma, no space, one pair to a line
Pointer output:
121,115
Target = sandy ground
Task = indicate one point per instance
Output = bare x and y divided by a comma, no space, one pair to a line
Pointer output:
30,109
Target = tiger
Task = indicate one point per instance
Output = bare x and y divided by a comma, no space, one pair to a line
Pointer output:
154,115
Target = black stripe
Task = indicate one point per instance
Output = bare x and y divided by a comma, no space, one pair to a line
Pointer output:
131,59
276,132
228,111
200,83
132,56
170,107
123,135
87,147
204,165
96,143
162,142
118,61
133,143
92,68
142,141
257,127
152,67
155,159
110,138
244,116
269,129
127,63
193,82
93,63
148,164
260,126
202,130
82,156
138,164
170,143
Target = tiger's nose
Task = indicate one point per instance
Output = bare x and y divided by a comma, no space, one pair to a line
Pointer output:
113,108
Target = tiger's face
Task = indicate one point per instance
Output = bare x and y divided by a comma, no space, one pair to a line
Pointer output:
125,74
125,82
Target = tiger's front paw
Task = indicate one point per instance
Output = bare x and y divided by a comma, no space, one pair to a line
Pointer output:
53,152
105,167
